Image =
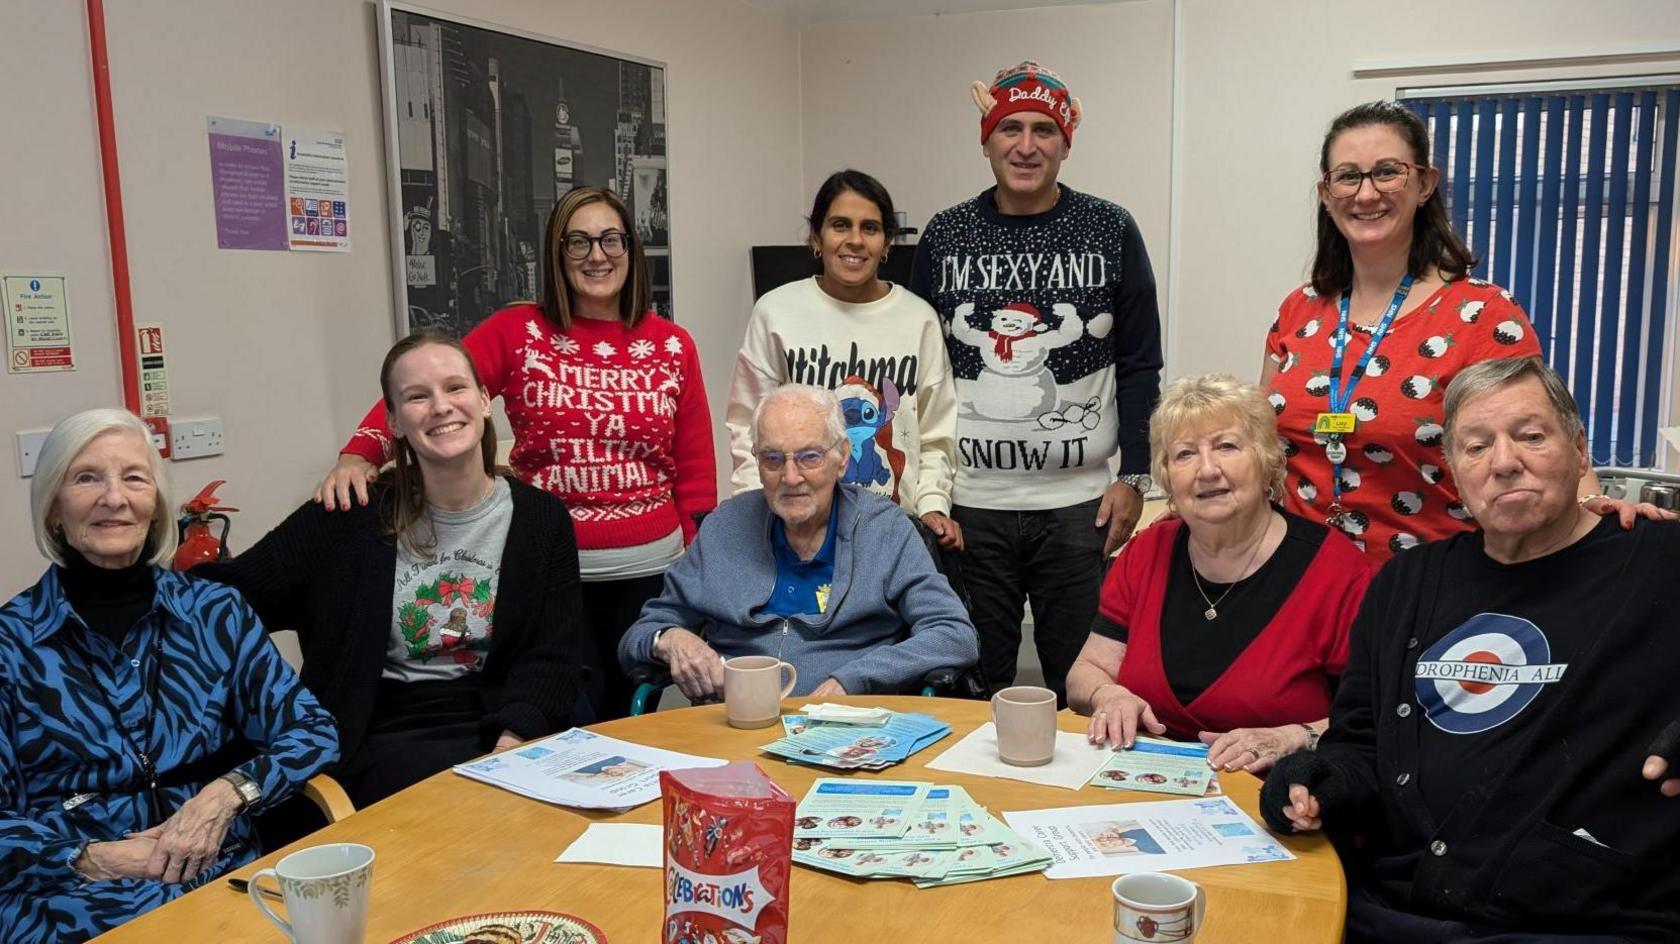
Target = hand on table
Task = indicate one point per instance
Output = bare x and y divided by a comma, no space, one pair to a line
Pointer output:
506,740
350,474
1119,512
1253,749
696,668
191,839
1117,714
947,530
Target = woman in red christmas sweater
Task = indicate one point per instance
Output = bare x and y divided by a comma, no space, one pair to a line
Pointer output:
608,411
1360,410
1228,620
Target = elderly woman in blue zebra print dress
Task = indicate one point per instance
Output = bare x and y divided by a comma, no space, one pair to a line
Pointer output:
144,716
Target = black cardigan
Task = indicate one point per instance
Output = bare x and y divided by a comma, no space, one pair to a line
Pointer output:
1508,855
330,576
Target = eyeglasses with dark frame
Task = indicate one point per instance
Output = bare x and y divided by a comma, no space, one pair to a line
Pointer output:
578,244
1386,177
807,459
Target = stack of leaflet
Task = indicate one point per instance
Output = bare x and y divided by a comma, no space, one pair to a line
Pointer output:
848,746
934,835
1159,766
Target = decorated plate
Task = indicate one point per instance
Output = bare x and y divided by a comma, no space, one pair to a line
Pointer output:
509,927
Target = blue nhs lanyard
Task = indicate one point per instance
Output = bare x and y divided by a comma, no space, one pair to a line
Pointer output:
1341,394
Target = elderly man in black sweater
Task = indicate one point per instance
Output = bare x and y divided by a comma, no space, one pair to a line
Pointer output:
1503,748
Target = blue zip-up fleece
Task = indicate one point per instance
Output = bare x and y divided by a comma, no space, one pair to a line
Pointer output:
891,617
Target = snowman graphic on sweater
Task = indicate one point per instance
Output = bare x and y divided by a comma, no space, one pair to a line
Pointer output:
1015,382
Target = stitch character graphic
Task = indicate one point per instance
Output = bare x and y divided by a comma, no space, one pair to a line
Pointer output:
875,463
1015,381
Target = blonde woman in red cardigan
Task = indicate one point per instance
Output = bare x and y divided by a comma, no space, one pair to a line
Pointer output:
608,411
1228,621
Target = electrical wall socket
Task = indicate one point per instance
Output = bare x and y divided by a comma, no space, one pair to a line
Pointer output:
195,438
29,449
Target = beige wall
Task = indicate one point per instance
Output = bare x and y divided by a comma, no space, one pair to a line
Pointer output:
892,99
284,346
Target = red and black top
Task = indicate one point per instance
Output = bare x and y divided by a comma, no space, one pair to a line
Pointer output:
1270,657
1395,488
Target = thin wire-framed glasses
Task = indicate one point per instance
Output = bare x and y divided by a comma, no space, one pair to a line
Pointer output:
1386,177
807,459
578,244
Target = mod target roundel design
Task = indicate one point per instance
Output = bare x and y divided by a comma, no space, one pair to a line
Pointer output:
1484,673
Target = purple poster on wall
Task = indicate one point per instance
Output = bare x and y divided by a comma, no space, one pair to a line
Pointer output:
249,183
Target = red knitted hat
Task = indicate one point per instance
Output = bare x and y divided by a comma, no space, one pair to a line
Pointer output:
1026,87
1024,308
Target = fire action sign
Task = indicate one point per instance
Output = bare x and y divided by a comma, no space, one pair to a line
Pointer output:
37,323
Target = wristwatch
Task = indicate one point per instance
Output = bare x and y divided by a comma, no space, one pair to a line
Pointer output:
249,792
1140,483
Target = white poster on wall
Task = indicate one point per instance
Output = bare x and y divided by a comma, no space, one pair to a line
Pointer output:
317,190
37,323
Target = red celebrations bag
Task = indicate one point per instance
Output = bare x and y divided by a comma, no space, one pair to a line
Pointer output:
728,855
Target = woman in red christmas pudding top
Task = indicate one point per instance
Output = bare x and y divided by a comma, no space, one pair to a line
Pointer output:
608,411
1359,410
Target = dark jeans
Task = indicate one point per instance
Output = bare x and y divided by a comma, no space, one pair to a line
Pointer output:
1052,559
609,607
1371,921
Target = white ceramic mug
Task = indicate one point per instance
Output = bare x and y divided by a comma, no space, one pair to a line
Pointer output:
1157,908
1025,717
753,690
326,892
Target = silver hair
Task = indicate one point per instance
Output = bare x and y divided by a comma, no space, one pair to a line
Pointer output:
823,401
62,446
1485,377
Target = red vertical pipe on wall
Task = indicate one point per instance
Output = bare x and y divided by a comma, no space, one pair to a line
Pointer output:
113,205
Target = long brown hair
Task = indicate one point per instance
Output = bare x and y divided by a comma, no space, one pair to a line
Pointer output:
1434,244
637,294
403,512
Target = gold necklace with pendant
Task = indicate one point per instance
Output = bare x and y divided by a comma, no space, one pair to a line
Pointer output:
1212,611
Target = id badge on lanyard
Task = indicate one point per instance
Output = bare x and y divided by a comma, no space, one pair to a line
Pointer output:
1339,422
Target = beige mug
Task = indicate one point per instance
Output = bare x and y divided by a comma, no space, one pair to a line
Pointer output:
1025,717
753,690
1157,908
326,893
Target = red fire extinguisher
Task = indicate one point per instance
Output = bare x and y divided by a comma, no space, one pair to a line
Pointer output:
198,545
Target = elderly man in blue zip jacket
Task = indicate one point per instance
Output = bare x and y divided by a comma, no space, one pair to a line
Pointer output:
827,577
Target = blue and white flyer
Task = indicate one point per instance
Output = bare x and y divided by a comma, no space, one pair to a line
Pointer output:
1118,838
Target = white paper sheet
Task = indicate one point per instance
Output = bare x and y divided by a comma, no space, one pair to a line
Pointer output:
1075,761
847,714
638,844
1118,838
582,769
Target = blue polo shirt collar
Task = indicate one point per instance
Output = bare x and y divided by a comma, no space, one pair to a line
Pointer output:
797,581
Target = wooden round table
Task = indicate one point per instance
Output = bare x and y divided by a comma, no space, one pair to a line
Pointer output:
450,846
